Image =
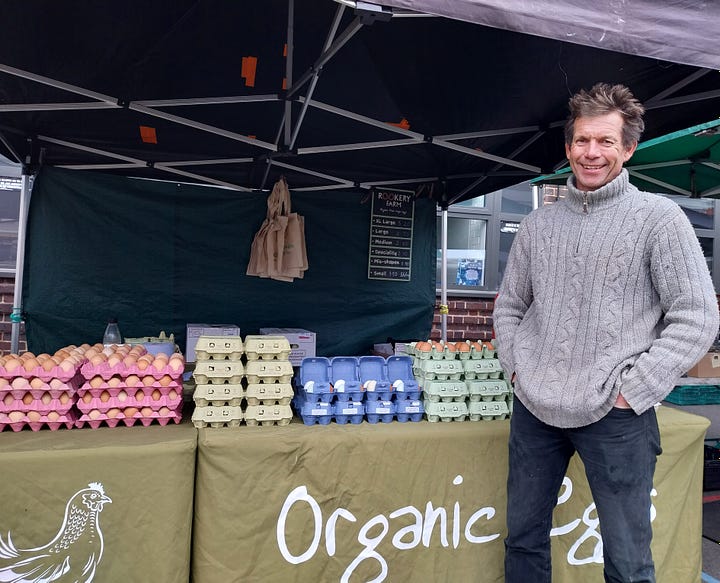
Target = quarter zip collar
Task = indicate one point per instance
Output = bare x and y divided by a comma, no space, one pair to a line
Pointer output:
606,196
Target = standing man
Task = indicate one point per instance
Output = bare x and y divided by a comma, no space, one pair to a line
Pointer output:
605,303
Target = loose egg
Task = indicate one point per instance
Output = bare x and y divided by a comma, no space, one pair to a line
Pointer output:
156,394
53,416
27,398
33,416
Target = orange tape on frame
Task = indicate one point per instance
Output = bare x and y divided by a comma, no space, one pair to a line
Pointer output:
148,135
249,67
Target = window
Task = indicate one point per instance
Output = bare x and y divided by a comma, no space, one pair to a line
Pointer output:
466,242
9,214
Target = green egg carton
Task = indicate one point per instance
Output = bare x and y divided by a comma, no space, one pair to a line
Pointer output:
444,370
269,394
218,372
484,368
268,415
441,411
267,347
488,410
217,417
488,390
219,348
445,391
268,371
218,395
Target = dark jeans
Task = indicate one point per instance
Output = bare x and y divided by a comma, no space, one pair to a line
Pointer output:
619,454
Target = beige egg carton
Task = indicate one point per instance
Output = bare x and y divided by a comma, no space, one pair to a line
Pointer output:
268,371
268,415
269,393
208,395
210,372
217,417
219,348
261,347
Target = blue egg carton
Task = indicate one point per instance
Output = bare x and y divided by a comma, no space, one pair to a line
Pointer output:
349,412
344,378
400,374
376,411
314,380
409,410
373,376
315,412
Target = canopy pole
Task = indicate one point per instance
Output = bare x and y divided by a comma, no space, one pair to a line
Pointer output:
443,274
16,315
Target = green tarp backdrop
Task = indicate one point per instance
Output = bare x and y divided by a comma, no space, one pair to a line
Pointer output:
157,255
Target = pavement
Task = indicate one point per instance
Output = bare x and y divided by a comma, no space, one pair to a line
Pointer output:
710,549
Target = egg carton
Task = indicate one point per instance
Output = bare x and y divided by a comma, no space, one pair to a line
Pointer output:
442,411
219,395
377,411
488,410
439,369
210,372
488,390
313,392
348,412
38,405
268,371
269,394
445,391
463,350
409,410
315,412
375,391
44,393
344,376
104,370
154,399
268,415
217,417
35,423
124,393
64,374
484,349
130,416
262,347
483,368
400,374
219,348
130,383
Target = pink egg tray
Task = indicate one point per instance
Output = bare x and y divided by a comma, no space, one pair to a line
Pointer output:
119,398
106,371
37,404
104,386
39,372
136,418
67,420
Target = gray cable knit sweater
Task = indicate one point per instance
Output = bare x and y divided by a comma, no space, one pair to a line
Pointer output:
606,291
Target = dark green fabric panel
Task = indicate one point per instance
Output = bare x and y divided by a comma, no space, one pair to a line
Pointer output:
158,255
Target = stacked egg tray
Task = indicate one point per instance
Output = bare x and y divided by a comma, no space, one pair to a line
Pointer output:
126,394
349,389
461,381
240,381
38,399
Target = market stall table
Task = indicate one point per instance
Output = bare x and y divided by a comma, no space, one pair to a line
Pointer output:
409,502
136,481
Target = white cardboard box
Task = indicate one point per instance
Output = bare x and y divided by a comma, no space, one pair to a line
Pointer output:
195,330
302,342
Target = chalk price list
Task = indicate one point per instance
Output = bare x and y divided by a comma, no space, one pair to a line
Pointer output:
391,231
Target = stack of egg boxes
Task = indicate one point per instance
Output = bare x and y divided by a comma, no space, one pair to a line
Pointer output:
225,383
348,389
462,383
38,398
115,393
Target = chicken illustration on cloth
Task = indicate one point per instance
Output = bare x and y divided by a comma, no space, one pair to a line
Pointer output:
72,556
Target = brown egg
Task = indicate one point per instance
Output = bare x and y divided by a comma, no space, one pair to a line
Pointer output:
114,382
3,382
48,364
112,413
172,395
130,411
8,399
53,416
64,398
114,360
26,355
33,416
176,364
148,380
132,380
130,361
46,398
104,396
156,394
37,383
16,416
159,364
146,412
56,384
139,395
165,380
94,414
90,352
142,364
87,397
13,364
28,398
96,382
97,360
164,411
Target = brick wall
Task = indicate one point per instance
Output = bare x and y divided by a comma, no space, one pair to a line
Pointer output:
7,292
468,319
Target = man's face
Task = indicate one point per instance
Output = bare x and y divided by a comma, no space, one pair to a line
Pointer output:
596,153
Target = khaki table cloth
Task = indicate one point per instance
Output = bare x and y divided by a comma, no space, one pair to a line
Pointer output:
400,502
119,500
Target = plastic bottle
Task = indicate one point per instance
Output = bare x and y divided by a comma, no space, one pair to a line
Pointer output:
112,333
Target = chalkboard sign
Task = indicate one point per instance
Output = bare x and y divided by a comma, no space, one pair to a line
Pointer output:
391,233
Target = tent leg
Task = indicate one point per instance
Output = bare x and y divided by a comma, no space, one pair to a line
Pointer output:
16,316
443,275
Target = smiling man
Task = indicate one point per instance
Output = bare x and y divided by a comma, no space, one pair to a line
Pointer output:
606,301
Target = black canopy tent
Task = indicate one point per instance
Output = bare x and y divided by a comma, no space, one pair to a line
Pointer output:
335,95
